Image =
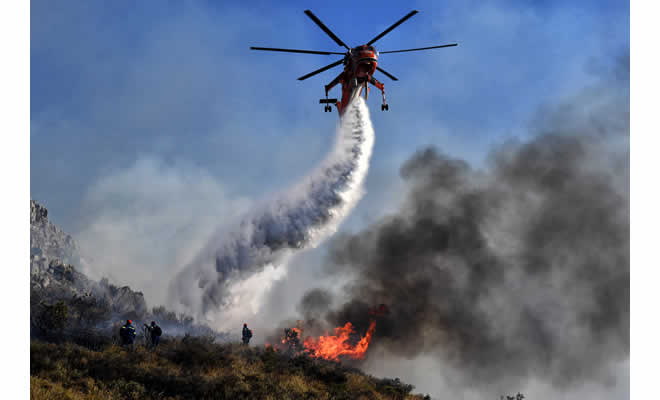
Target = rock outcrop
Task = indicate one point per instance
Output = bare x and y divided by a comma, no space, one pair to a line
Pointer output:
48,241
123,300
53,274
58,278
54,277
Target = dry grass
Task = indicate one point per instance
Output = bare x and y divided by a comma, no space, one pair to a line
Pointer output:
196,369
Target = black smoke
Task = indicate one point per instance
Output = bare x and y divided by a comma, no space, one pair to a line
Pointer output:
518,268
314,303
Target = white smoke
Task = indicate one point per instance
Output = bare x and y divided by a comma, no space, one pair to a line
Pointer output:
244,263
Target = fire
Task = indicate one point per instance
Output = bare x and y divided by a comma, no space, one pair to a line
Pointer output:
331,347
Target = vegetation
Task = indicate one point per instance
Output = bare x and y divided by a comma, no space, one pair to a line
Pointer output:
196,368
74,354
90,320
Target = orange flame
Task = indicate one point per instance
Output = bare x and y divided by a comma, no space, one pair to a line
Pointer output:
331,347
298,334
290,341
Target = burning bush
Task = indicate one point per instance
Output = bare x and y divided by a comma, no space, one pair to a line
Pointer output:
345,343
332,347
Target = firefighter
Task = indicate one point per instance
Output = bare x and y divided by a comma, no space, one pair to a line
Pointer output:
155,332
247,334
127,333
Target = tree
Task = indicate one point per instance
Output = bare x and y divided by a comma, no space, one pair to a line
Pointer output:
51,318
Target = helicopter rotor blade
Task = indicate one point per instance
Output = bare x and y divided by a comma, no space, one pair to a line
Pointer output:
334,64
397,23
325,29
392,77
295,50
421,48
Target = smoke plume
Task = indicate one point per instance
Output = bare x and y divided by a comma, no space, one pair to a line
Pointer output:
299,218
515,270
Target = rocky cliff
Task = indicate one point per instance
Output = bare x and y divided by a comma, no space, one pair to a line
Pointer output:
54,277
48,241
54,256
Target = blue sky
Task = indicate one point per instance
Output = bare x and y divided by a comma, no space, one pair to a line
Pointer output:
113,82
152,123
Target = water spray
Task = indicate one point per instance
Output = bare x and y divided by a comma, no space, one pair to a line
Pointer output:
300,218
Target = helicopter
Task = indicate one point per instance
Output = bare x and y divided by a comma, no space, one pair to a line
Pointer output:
360,63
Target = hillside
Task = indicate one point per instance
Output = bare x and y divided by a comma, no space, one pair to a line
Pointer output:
74,353
196,368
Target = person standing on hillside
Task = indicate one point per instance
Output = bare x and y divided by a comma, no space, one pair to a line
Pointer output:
247,334
127,333
155,332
